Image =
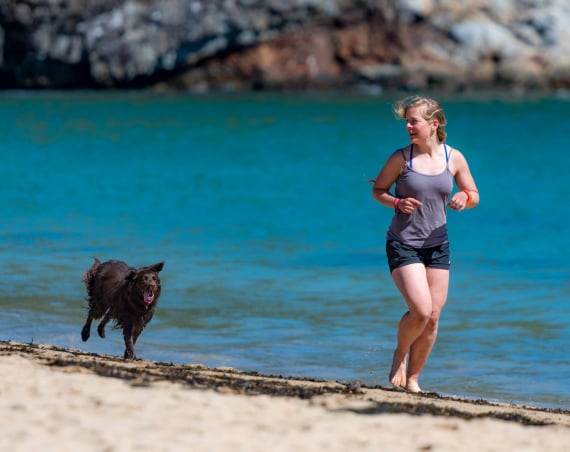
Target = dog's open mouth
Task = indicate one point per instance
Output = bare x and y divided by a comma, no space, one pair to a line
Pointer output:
148,296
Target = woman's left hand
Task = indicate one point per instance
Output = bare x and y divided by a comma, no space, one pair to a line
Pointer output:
458,201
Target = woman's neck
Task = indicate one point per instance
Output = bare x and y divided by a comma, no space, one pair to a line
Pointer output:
430,147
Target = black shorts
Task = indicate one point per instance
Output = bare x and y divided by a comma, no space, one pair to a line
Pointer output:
433,257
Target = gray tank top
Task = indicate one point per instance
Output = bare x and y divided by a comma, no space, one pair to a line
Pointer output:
427,225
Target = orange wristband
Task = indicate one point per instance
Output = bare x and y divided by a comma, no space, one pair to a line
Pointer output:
468,196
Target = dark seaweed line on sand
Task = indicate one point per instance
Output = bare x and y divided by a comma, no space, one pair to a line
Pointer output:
144,373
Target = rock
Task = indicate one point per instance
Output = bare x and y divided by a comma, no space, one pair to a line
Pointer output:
281,44
480,39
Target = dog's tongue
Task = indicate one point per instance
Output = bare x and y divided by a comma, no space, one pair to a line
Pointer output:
148,296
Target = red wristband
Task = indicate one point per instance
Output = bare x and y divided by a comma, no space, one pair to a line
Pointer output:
468,196
396,202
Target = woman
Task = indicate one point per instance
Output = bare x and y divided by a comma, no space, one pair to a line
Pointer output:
417,244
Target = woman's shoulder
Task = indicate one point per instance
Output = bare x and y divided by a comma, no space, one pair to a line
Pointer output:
395,163
456,158
454,153
401,153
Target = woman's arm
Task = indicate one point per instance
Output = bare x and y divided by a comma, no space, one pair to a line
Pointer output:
468,196
386,178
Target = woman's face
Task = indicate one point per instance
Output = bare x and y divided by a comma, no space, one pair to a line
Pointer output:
419,129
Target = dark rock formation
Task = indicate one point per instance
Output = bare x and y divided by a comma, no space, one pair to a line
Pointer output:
206,45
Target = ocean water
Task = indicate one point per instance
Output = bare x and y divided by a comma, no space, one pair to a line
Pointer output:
261,208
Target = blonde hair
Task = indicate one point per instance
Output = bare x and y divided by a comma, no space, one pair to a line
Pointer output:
431,110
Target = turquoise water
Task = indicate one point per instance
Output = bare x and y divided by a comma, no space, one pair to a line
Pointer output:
274,248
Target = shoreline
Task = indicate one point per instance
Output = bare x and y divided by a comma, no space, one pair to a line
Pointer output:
50,394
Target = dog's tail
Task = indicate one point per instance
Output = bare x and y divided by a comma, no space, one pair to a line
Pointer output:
89,275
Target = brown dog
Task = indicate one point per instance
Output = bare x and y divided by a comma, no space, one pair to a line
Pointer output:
125,294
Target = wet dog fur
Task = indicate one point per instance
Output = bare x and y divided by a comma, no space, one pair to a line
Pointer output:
116,291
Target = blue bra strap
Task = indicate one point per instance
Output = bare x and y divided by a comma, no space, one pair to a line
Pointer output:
446,155
411,154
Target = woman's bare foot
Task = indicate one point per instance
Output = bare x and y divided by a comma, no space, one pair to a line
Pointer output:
413,386
398,372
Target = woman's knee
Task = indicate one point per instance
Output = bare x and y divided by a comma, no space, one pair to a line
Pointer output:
421,315
432,323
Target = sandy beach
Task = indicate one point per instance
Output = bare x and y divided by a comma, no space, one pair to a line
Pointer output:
59,399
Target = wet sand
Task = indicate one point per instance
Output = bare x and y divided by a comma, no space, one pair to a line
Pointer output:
60,399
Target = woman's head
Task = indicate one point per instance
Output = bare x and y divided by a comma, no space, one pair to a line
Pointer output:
430,110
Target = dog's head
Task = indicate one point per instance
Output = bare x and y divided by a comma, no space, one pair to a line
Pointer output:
147,283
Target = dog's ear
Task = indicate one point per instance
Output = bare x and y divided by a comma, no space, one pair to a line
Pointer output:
132,275
156,267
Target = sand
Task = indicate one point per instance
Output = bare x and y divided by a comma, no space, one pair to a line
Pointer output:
54,399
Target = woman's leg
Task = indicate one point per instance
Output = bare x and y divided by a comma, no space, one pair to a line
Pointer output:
438,281
412,282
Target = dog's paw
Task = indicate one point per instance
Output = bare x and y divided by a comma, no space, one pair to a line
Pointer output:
85,334
101,331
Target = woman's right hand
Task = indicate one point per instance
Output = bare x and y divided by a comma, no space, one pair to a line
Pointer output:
408,205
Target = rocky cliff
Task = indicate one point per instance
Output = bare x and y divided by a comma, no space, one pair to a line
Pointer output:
206,45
